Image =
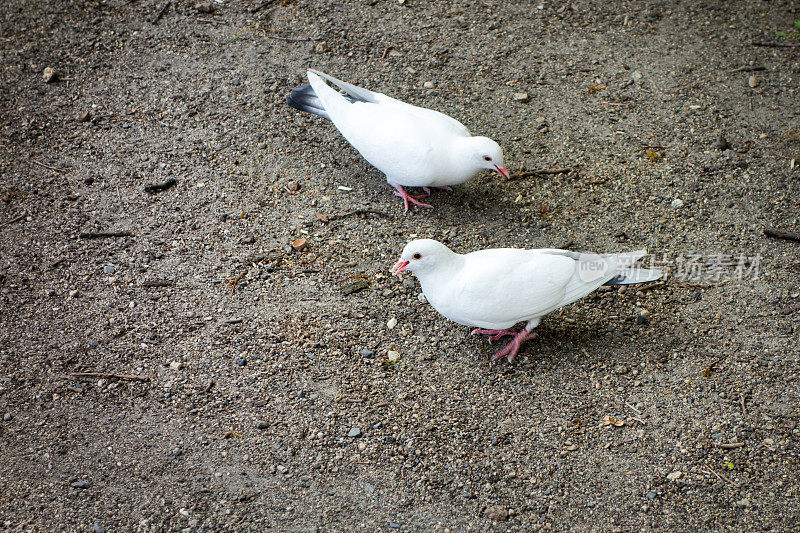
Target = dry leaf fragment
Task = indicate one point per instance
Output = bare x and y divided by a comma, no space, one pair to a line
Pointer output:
654,155
609,420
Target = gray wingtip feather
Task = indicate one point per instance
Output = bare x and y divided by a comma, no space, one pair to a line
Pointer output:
635,275
305,99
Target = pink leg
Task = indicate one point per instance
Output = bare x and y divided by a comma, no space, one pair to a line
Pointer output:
408,198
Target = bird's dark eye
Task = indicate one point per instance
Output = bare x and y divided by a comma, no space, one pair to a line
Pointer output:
487,158
417,255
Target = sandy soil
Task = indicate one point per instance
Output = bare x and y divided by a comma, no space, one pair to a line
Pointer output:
267,399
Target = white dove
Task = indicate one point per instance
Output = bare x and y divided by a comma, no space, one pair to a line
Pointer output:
497,288
413,146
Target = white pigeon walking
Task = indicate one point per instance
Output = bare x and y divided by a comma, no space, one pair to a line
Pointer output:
497,288
412,146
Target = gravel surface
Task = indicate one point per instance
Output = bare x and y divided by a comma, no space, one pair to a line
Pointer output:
201,369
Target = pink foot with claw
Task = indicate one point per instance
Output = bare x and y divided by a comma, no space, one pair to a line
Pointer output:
511,349
399,191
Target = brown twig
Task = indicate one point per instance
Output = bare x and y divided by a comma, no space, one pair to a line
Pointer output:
55,169
261,6
780,234
690,285
292,39
652,286
541,172
730,445
15,219
158,283
719,476
707,370
161,12
233,282
328,218
105,234
749,69
775,45
159,187
638,412
124,377
210,21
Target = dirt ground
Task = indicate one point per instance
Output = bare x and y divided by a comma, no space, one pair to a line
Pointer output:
266,398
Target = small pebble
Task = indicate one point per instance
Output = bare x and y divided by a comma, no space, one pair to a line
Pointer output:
674,476
261,424
753,82
636,75
204,7
298,245
744,502
176,365
293,186
354,433
49,75
643,316
7,417
80,485
247,239
391,323
241,361
498,513
366,352
428,85
109,269
393,356
677,203
422,299
355,286
521,97
86,116
721,143
74,293
98,527
322,47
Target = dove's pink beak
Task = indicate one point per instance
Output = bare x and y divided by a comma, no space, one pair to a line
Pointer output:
503,171
399,267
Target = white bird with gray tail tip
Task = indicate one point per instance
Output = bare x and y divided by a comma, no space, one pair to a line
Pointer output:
412,146
492,290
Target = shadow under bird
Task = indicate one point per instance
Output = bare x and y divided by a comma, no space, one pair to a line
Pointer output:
494,289
412,146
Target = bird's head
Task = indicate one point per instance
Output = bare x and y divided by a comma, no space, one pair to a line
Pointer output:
422,255
486,153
